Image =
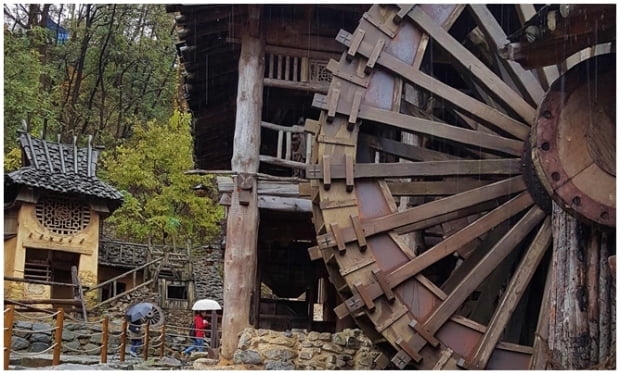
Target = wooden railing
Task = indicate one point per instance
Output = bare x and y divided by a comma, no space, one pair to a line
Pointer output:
287,155
296,72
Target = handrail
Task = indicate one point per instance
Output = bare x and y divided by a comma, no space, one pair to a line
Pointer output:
122,275
141,285
273,126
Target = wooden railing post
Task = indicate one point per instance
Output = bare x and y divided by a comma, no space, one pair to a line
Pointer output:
104,340
123,340
162,338
60,317
145,345
9,313
215,337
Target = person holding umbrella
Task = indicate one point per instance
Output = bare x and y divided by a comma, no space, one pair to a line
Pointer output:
201,323
136,316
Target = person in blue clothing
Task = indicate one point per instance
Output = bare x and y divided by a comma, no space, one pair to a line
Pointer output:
201,323
135,336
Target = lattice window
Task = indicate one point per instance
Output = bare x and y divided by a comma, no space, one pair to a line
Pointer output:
319,72
64,217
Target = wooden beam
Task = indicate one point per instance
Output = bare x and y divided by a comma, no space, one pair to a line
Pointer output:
518,283
434,188
461,55
511,166
473,279
428,127
406,151
459,99
432,209
496,37
317,87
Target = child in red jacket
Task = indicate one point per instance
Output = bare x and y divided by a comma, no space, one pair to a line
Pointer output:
200,325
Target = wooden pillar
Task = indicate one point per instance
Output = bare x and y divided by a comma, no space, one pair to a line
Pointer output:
242,224
581,321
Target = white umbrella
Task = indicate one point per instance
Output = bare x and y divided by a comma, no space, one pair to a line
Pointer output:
206,304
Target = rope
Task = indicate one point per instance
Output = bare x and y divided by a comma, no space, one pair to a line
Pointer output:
27,316
33,354
82,350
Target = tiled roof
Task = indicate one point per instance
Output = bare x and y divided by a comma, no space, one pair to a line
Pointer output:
63,168
69,183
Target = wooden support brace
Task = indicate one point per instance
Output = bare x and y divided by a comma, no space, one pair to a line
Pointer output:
338,238
424,333
402,13
366,298
341,311
245,183
359,232
315,253
374,55
384,284
404,345
355,43
355,108
327,172
348,172
332,99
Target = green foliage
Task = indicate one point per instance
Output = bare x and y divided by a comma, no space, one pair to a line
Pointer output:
23,98
159,200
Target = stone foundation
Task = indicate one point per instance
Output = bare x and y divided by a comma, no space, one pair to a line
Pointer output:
301,350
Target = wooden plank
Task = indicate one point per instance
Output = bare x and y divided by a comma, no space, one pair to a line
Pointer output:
267,187
420,330
357,39
281,162
473,65
457,98
334,67
314,253
316,87
359,232
288,145
511,166
272,126
434,188
410,351
517,286
406,151
472,280
348,172
279,146
527,83
443,359
435,208
428,127
327,178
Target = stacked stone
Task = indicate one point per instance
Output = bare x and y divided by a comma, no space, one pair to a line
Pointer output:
208,268
300,350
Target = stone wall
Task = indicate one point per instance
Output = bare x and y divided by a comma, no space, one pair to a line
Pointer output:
208,267
301,350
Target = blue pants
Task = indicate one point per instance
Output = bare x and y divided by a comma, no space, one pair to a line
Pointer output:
198,345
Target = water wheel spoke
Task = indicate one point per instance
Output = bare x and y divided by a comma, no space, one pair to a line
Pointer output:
470,282
461,237
480,110
480,71
516,288
525,80
434,188
407,151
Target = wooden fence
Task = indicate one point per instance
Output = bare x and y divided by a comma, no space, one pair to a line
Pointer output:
149,342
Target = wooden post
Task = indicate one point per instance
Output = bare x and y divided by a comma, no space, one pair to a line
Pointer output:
215,336
242,224
123,340
145,342
9,313
104,340
580,322
60,317
162,339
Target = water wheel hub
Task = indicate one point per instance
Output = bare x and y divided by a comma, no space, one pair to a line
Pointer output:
573,141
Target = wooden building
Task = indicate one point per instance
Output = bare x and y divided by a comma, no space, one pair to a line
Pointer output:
53,209
444,150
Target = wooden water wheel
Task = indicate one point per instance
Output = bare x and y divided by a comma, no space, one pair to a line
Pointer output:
441,259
